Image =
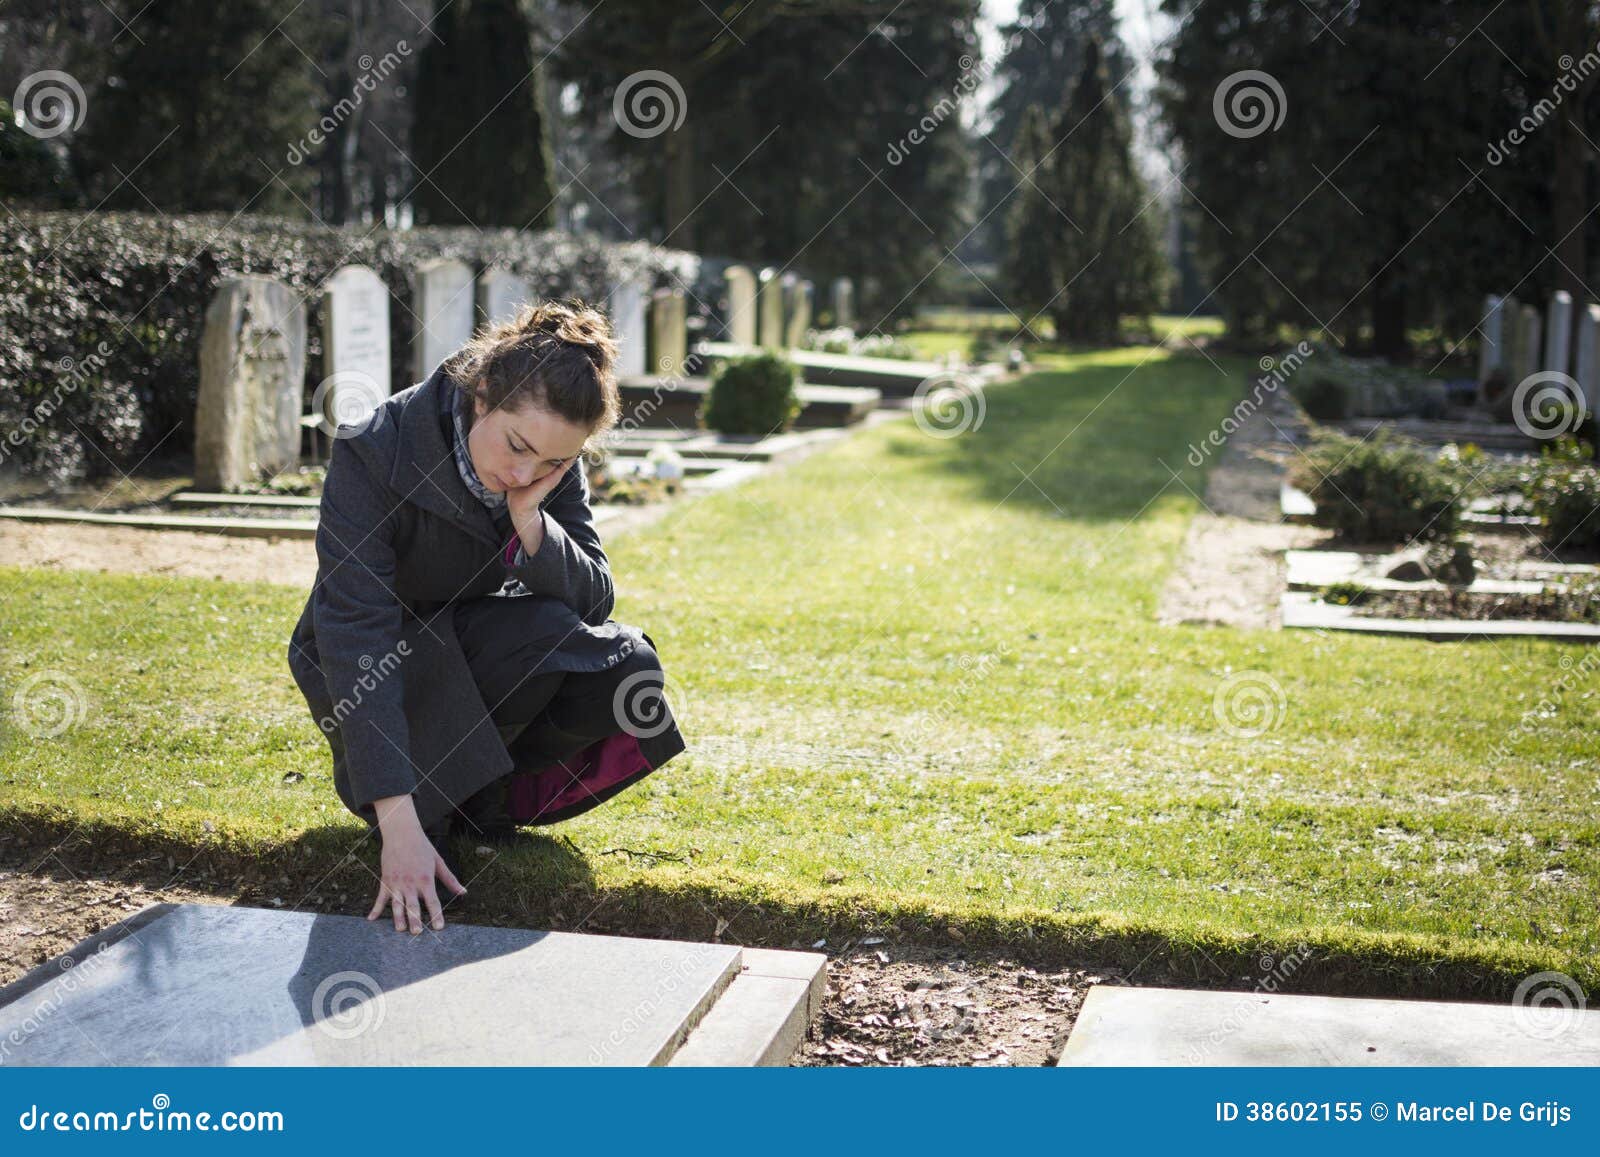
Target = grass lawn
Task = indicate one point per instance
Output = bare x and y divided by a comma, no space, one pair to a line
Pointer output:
922,687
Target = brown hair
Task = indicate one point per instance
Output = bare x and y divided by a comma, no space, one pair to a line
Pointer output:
556,355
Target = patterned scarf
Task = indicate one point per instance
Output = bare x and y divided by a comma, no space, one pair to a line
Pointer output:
458,413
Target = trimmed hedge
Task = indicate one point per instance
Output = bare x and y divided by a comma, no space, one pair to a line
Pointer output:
755,394
100,314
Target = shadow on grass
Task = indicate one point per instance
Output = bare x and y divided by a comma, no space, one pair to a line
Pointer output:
1093,443
550,885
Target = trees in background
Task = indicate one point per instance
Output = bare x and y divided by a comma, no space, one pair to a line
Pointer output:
479,144
1391,197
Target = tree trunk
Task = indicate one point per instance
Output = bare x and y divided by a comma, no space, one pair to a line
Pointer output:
1389,315
1566,202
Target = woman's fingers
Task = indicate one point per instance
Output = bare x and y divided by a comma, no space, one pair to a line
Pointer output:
444,873
383,895
435,914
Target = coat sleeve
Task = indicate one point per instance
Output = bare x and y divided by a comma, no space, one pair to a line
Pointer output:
357,619
570,563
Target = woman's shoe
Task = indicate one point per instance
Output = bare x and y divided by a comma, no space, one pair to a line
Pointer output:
486,816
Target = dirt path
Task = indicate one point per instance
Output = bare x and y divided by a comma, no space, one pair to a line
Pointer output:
1231,572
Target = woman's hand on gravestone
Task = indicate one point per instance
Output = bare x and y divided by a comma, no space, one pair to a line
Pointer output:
523,506
410,863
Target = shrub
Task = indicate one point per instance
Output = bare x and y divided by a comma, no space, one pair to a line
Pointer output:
1563,491
1384,488
1347,387
752,395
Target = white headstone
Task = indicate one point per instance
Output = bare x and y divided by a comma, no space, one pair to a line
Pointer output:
741,305
769,310
444,309
501,293
629,324
669,333
798,320
252,383
355,339
1558,333
1588,370
1492,345
1527,362
844,302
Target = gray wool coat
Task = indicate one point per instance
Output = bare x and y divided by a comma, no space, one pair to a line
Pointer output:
400,541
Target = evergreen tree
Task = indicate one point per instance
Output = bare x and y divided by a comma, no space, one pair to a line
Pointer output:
1105,240
199,109
478,135
1028,271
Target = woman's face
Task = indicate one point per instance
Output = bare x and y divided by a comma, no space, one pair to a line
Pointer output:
513,448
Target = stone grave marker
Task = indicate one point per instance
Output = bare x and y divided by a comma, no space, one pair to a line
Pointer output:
501,293
769,310
1527,360
211,984
1588,357
844,302
741,305
355,336
798,314
444,309
1558,333
1492,345
629,324
252,383
669,333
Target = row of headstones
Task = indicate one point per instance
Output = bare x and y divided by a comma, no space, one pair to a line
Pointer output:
253,347
1516,345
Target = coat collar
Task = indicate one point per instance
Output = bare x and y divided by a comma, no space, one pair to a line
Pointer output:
424,470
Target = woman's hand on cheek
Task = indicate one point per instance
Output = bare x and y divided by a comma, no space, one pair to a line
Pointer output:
522,504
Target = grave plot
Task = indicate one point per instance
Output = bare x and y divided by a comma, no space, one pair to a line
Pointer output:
1176,1026
201,984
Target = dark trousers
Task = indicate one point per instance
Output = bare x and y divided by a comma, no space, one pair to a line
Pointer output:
554,714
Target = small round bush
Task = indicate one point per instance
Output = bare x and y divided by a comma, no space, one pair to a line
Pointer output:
754,394
1384,488
1564,494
